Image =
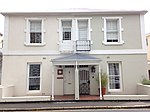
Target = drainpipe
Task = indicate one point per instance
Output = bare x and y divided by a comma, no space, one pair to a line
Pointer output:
100,91
76,82
52,82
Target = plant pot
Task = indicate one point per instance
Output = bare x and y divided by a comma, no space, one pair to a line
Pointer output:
103,89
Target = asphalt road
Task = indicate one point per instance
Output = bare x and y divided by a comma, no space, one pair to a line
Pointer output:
72,104
103,110
86,106
97,110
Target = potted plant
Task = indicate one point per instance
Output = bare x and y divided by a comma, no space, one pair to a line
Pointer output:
104,81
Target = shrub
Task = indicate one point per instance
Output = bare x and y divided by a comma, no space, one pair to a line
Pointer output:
145,81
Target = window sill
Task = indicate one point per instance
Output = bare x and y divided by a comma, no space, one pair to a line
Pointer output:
35,44
114,90
33,92
113,43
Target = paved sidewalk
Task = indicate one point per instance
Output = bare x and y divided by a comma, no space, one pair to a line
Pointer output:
65,105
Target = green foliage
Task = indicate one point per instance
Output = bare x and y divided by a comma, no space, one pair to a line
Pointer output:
104,79
145,81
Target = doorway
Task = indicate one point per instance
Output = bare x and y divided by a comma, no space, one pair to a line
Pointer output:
84,82
69,84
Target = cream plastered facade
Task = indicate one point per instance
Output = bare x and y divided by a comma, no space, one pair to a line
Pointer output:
17,54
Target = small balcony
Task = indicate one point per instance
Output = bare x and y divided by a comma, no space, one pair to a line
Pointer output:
69,46
83,45
66,46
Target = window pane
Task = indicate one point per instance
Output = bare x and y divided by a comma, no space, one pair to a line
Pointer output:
114,76
66,27
112,35
66,23
83,23
34,77
35,37
35,31
83,29
66,33
35,26
112,32
34,70
83,33
112,25
34,84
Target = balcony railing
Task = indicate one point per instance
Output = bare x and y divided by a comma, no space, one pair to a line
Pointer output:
66,46
83,45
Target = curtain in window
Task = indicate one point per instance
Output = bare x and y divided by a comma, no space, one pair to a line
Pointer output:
112,29
35,31
35,26
34,77
66,23
114,76
83,29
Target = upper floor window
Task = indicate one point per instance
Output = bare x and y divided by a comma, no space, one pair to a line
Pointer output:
34,32
66,29
83,29
74,34
112,30
74,29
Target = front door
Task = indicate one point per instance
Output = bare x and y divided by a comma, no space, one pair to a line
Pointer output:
69,81
84,82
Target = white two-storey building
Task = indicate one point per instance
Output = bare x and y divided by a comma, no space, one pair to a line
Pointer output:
63,52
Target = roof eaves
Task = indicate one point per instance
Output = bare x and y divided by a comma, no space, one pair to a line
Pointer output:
76,11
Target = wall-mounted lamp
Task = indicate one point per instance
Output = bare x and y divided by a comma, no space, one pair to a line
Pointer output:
93,69
60,70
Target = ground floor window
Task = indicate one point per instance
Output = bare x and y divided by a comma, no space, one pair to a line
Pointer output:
114,72
34,74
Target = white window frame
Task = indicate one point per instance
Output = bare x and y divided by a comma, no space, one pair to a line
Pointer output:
27,31
89,28
66,27
104,29
74,29
120,72
28,69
